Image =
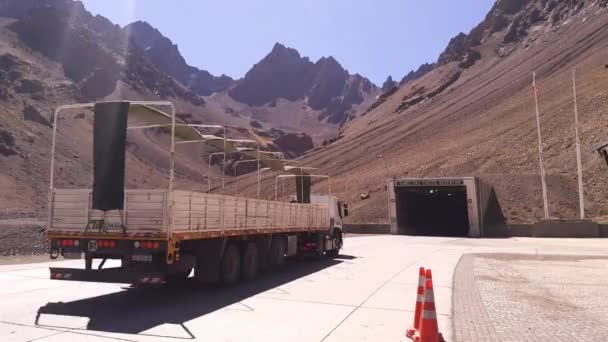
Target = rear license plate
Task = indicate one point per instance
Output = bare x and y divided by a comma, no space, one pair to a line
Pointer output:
72,255
142,258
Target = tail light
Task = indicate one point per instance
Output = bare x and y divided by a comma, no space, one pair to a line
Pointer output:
106,244
146,244
68,243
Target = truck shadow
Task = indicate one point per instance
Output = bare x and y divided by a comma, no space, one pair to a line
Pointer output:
136,310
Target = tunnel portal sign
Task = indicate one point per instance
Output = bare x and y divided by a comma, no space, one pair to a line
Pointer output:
429,182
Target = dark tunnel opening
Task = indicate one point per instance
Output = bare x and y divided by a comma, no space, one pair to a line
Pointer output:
432,211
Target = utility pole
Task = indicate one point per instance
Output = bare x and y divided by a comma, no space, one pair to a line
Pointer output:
224,162
579,164
258,158
388,194
540,149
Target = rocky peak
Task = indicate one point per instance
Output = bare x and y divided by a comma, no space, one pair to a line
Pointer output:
388,84
514,19
44,28
284,74
421,71
329,82
455,49
159,50
144,34
166,56
281,52
21,8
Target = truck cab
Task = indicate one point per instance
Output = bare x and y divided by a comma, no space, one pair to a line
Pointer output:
338,210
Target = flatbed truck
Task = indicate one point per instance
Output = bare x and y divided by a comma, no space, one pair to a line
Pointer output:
162,235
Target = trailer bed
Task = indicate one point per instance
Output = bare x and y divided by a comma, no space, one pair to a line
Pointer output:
180,214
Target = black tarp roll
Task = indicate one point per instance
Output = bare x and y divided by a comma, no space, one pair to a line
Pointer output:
109,143
305,197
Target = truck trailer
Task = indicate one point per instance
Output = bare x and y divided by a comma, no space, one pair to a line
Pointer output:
162,235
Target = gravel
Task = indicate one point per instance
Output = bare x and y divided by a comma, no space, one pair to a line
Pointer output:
22,240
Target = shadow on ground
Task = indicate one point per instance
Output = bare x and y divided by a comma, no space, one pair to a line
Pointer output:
136,310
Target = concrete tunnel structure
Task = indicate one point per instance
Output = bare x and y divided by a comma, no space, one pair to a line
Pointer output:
458,207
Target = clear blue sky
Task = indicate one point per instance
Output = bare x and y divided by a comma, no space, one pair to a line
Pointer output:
375,38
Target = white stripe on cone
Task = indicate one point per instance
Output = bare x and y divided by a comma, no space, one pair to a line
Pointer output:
429,315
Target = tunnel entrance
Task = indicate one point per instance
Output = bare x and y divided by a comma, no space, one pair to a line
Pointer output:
432,210
454,207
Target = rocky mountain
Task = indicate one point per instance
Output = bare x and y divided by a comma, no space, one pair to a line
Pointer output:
324,85
54,52
165,55
472,113
94,53
283,90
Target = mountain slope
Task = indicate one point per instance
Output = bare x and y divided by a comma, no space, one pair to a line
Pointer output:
54,52
472,114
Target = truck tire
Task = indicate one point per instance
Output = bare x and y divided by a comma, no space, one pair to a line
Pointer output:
276,254
250,261
207,269
337,237
320,252
263,245
231,265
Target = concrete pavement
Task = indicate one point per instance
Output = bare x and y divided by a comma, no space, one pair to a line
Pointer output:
367,294
513,297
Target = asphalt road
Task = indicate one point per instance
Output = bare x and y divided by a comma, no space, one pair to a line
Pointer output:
367,294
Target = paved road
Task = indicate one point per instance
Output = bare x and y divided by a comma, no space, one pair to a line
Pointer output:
366,295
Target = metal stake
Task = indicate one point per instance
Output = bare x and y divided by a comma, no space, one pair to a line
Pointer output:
579,165
540,149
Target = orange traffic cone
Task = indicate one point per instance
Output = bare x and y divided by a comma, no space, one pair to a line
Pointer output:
419,299
429,330
429,274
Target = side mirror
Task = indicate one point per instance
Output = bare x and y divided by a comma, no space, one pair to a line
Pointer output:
345,209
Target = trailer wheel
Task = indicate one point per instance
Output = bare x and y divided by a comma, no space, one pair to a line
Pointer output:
263,245
250,261
320,246
337,242
231,265
276,254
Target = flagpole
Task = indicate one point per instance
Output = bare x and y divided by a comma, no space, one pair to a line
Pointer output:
540,150
579,164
